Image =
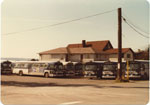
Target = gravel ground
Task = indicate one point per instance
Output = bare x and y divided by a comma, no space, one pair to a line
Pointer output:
39,90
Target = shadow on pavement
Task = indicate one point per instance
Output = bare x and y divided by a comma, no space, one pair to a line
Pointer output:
34,84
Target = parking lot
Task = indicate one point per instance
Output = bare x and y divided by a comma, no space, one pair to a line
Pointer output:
38,90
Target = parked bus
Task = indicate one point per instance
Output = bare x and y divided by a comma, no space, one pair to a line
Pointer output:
109,70
134,69
46,69
69,70
78,66
54,69
100,65
6,67
93,69
144,68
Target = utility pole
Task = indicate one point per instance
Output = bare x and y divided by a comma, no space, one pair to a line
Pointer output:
119,71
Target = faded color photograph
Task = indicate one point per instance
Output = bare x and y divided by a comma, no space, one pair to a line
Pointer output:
75,52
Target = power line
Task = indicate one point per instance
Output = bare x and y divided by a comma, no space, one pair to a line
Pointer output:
52,25
127,19
134,28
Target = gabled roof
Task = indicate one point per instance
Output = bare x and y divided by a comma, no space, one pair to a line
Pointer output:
98,46
86,50
103,47
64,50
61,50
115,50
75,46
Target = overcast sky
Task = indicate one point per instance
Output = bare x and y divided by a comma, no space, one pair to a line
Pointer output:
20,15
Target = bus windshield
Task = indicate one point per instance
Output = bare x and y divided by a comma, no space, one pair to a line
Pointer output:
78,67
109,67
134,66
59,67
55,67
90,67
69,67
6,65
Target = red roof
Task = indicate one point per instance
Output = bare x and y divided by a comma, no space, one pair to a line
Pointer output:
86,50
93,47
98,46
115,50
61,50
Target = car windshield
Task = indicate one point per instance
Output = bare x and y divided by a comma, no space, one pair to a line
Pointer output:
109,67
90,67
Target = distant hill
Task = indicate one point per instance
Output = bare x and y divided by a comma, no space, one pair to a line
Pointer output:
17,59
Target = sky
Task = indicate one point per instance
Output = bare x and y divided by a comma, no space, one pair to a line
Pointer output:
20,15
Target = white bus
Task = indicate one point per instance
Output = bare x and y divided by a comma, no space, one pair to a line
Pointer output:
46,69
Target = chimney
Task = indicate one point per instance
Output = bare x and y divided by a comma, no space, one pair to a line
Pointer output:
84,43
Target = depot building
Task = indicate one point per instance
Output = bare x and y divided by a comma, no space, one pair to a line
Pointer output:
87,51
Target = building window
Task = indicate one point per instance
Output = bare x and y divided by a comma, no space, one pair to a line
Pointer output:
128,56
105,56
87,56
97,56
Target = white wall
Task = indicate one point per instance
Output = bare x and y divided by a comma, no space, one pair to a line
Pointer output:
88,57
131,56
45,57
104,57
53,57
75,57
114,57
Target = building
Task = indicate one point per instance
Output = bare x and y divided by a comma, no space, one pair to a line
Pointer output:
142,55
87,51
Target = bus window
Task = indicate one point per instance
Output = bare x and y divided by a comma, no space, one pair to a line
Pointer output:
43,65
36,65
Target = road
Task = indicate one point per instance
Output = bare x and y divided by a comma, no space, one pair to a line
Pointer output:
69,91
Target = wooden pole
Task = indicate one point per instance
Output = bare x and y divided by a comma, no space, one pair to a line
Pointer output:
119,72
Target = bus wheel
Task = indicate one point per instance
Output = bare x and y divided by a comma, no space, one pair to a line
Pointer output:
145,77
46,75
20,73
